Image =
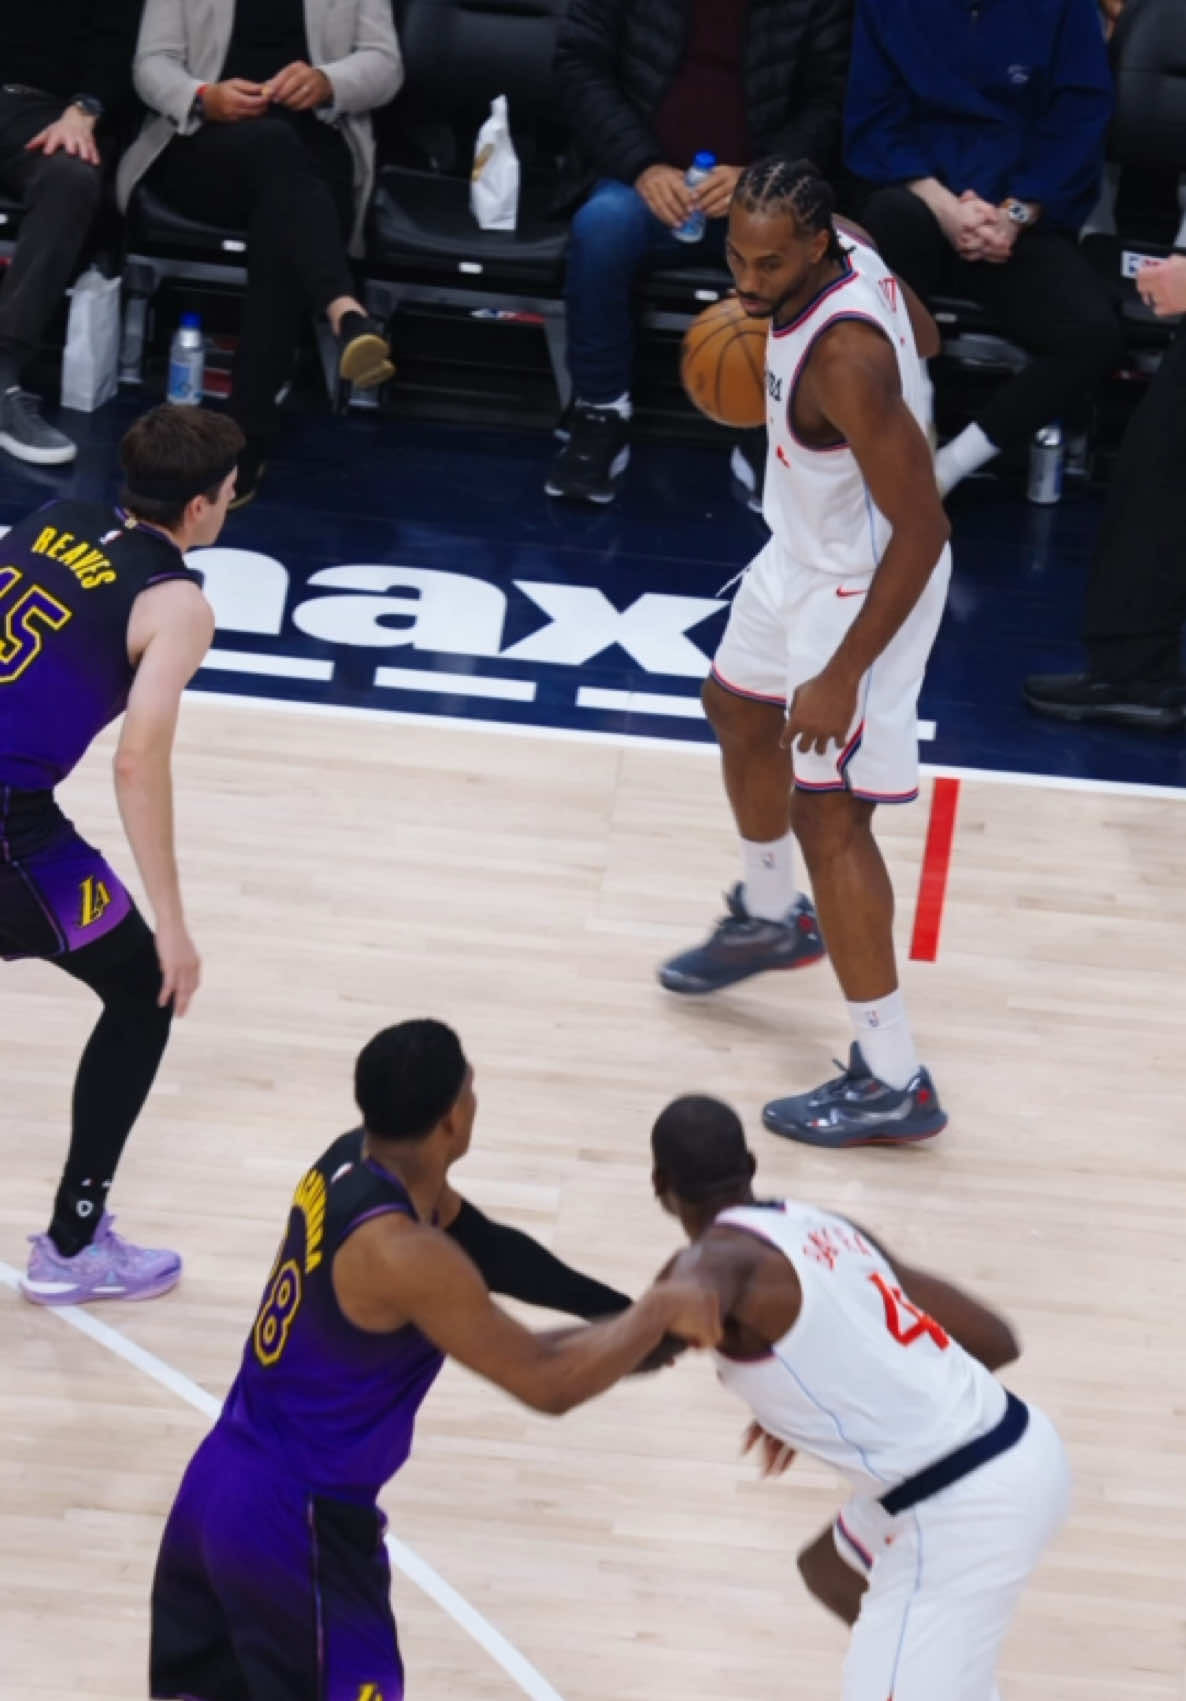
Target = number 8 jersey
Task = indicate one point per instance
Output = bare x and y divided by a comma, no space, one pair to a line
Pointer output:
69,575
863,1380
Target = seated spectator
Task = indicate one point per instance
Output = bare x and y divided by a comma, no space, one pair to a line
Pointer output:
1136,598
978,134
645,86
263,124
66,65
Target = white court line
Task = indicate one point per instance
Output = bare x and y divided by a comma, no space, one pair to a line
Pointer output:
277,667
649,741
685,708
517,1667
455,684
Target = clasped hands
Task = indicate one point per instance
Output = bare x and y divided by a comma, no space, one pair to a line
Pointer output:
979,231
299,87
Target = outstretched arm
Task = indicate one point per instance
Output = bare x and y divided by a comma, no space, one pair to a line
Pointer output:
514,1264
392,1272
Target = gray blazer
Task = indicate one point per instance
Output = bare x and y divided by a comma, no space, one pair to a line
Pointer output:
183,44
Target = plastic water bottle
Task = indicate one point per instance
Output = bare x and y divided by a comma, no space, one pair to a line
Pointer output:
187,362
1047,452
692,229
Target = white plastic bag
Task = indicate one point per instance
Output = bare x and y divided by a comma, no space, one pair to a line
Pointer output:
494,182
90,362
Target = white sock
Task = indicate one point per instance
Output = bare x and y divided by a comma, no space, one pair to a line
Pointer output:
955,460
769,875
620,404
881,1028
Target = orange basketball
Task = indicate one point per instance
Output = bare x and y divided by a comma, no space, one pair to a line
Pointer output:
723,364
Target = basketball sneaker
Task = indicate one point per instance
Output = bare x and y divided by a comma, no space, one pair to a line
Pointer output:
741,945
856,1109
594,457
109,1268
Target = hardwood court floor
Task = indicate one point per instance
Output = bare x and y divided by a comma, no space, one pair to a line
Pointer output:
346,873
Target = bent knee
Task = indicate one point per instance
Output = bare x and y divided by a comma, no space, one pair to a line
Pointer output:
829,821
741,720
612,213
65,178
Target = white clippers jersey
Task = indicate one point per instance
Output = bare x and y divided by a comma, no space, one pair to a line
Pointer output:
816,502
863,1380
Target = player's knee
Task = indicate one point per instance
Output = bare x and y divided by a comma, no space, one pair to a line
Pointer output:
740,721
827,824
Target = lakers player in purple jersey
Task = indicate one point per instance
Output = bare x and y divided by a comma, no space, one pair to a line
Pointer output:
272,1582
99,615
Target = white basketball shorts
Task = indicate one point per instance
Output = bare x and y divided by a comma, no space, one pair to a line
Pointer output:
786,624
945,1577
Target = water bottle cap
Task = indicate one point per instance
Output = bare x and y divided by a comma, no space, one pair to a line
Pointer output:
705,162
191,321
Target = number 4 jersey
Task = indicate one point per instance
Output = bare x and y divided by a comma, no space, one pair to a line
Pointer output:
69,575
863,1380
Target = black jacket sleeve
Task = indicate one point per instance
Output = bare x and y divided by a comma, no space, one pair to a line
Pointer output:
107,48
814,129
616,139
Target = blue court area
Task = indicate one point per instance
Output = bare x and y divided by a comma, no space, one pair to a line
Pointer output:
418,568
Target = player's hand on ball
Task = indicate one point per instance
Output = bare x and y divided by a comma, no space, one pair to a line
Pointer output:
693,1312
821,713
663,189
774,1455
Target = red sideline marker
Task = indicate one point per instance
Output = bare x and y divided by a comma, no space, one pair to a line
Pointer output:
936,859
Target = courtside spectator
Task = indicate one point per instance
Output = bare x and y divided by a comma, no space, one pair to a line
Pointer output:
977,132
66,65
645,85
1136,598
262,122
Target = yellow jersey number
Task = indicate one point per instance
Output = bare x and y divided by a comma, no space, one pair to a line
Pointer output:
28,615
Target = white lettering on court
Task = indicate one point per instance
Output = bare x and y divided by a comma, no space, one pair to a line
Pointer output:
446,612
584,622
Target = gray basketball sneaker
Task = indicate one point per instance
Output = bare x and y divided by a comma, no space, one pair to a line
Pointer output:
26,435
856,1109
742,945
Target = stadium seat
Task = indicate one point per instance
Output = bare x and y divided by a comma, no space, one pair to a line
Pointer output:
424,244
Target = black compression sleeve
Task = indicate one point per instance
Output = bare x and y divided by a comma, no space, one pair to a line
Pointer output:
514,1264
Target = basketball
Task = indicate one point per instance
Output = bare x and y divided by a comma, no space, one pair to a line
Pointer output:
723,364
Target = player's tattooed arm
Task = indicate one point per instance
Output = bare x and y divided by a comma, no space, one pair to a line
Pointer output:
979,1330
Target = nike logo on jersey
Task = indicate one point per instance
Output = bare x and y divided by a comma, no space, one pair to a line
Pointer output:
859,592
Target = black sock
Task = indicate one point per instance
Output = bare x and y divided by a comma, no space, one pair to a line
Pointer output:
117,1069
354,324
514,1264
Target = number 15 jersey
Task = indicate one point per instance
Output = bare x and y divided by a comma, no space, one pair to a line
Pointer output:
863,1380
69,575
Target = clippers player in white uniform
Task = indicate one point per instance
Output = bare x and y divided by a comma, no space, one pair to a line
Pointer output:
884,1373
814,688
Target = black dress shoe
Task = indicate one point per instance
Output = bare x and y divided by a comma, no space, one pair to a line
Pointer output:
1149,705
252,467
364,353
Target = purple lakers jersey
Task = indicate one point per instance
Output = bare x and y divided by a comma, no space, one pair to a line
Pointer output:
69,575
331,1404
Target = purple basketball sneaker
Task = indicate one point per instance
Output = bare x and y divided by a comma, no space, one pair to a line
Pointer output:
109,1268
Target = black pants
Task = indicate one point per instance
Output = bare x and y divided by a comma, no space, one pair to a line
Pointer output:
1046,298
287,180
1136,597
61,195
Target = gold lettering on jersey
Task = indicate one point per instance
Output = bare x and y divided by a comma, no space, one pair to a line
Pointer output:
95,899
89,565
309,1200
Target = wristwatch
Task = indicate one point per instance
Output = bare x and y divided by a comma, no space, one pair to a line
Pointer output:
90,104
1019,213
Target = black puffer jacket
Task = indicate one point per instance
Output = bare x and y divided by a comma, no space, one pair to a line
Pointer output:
616,59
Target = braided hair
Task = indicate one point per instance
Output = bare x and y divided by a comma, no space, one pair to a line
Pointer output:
780,185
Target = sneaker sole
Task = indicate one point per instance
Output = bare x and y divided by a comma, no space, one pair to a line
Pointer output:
720,985
809,1139
37,457
78,1296
366,361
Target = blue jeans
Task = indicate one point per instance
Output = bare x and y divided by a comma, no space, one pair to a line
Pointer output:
614,235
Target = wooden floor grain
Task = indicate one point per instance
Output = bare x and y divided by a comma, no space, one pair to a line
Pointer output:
343,874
